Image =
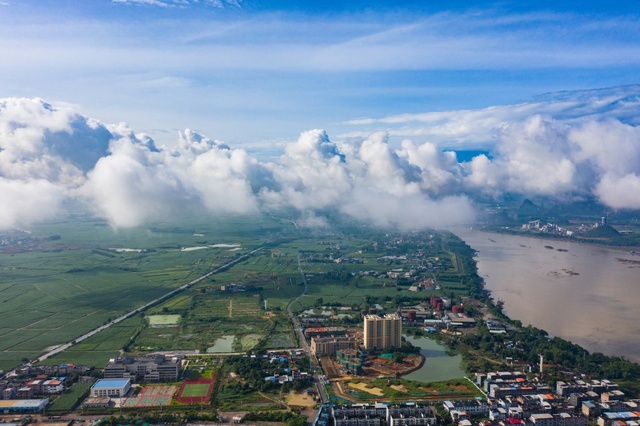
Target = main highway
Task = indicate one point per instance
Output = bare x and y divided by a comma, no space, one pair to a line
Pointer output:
313,361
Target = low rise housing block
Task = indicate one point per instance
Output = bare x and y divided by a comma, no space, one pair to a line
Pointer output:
330,345
560,419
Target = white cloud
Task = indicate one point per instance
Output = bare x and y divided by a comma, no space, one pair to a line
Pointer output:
408,212
563,160
310,175
45,151
564,145
608,146
439,171
214,70
136,184
532,158
25,201
478,128
50,154
143,2
285,42
368,181
221,4
619,192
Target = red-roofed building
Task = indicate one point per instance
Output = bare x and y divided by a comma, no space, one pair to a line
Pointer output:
52,386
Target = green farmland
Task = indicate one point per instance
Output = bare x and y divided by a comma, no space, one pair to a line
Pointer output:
74,278
79,277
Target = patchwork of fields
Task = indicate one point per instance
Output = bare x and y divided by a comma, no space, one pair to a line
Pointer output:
90,274
68,285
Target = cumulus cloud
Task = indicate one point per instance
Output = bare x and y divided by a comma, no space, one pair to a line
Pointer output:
137,182
532,157
367,180
567,145
27,201
44,153
619,191
552,158
51,154
311,174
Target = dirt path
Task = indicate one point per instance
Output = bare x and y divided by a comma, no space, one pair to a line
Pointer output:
271,399
45,292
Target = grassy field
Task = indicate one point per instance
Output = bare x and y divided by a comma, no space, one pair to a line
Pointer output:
195,390
66,401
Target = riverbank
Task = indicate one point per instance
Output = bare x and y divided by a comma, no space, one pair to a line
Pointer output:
583,293
622,242
561,292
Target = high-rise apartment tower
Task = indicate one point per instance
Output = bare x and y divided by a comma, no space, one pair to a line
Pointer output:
381,333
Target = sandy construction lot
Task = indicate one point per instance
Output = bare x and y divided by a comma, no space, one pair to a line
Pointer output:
300,399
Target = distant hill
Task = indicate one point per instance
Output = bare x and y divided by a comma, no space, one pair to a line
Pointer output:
604,231
528,210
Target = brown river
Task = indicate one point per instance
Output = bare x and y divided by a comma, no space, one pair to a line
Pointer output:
583,293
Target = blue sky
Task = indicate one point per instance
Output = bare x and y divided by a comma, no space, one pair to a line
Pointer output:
252,71
354,107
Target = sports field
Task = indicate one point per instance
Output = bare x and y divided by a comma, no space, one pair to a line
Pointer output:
151,396
196,391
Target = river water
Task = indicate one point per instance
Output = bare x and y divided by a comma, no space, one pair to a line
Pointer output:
583,293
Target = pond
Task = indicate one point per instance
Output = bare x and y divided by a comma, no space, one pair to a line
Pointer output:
438,366
222,345
163,320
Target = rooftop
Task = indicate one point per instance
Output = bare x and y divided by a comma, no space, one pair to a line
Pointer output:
110,383
23,403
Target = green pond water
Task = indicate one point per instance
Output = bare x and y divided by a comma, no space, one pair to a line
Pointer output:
222,345
438,366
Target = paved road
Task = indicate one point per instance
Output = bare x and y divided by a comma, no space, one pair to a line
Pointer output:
140,309
313,361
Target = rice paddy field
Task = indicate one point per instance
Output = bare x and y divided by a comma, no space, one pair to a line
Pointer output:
61,280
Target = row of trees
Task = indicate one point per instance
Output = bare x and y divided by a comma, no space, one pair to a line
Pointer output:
288,417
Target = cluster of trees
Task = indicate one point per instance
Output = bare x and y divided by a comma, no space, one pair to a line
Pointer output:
560,355
254,370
